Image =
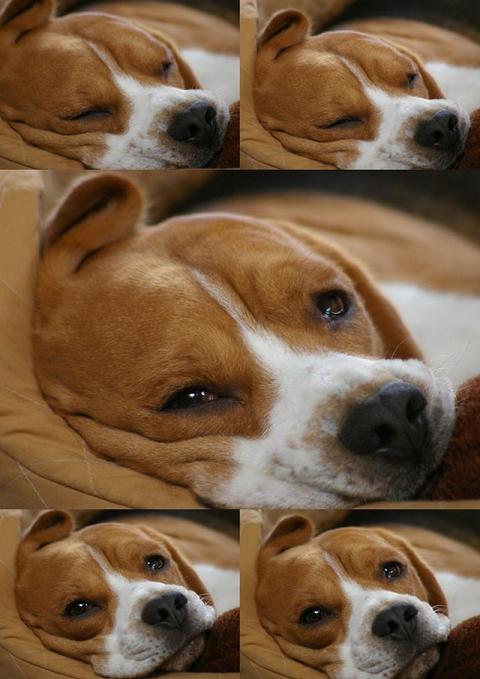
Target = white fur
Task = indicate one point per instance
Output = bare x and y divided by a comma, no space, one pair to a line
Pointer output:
462,594
222,583
446,326
460,83
298,460
145,144
393,147
218,73
133,648
366,656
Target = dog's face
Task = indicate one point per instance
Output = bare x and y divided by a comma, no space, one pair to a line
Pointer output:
120,597
250,361
353,602
353,101
100,90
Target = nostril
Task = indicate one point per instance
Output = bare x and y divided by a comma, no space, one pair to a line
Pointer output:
210,115
180,601
452,123
416,405
385,434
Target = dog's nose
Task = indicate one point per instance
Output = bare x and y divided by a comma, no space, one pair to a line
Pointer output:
196,125
392,422
398,622
440,132
168,610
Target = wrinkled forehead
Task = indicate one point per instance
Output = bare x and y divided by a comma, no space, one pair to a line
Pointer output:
368,58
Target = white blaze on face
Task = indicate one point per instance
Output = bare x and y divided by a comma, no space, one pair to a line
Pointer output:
134,648
393,147
366,656
299,461
145,143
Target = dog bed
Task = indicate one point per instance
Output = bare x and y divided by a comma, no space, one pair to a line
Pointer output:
259,150
43,463
22,654
261,656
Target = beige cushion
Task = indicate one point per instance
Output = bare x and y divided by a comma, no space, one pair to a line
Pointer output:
22,654
44,463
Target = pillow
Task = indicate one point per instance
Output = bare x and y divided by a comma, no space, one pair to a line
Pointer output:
22,654
43,462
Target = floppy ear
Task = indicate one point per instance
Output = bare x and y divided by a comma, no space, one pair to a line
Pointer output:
97,212
434,91
19,16
189,574
285,29
396,338
48,527
289,532
436,597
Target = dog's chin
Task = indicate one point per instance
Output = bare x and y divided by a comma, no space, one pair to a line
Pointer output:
183,659
422,663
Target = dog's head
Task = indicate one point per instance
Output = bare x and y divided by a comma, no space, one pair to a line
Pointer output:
98,89
120,597
249,360
353,602
353,100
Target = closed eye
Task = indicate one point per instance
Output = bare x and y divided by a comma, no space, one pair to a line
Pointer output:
91,113
343,122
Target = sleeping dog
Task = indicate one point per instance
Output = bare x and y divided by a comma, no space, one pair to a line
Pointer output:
110,92
246,353
375,93
123,596
362,603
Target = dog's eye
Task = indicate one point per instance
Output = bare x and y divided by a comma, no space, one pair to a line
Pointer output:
391,570
412,79
80,607
166,67
155,562
191,397
344,122
333,304
314,615
91,113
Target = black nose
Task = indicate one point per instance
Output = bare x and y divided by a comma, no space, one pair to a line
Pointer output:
441,132
196,125
168,610
397,622
392,422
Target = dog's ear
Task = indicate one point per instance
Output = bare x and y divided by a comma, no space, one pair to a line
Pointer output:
285,29
435,595
189,574
19,16
48,527
434,91
289,532
96,212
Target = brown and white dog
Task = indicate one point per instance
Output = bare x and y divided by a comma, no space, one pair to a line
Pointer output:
250,358
109,92
377,94
123,597
359,603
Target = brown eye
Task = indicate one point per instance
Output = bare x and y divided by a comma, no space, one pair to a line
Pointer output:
80,607
391,570
155,562
412,79
191,397
333,305
314,615
167,67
